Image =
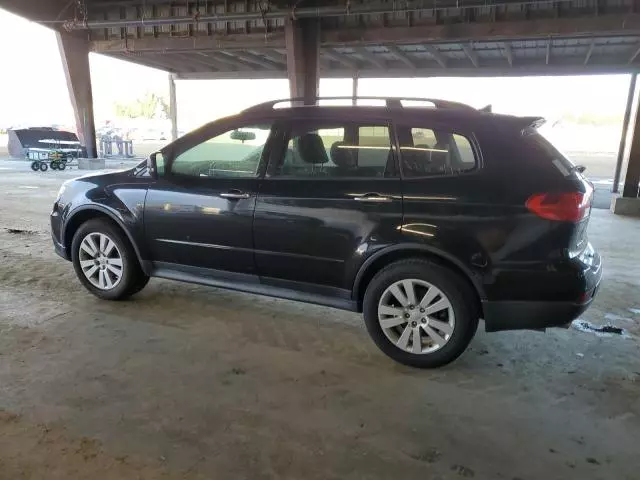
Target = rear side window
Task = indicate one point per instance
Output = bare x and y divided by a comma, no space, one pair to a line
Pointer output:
323,149
427,152
545,150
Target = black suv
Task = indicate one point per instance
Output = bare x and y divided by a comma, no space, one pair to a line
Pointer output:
425,215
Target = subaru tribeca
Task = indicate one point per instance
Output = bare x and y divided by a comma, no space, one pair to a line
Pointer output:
424,215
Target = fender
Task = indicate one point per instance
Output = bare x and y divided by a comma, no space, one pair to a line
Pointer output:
421,248
113,215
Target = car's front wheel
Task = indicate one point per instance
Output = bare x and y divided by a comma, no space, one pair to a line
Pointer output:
105,262
419,313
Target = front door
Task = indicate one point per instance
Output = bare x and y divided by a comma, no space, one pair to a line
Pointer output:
199,213
331,196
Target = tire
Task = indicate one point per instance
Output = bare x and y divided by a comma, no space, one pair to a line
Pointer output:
35,166
43,167
459,318
62,165
54,165
106,285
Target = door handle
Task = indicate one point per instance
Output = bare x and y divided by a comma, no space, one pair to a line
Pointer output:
234,195
372,197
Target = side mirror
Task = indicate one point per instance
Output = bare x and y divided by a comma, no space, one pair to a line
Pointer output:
155,164
580,168
242,136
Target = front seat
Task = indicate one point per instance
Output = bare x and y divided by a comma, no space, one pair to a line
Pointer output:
311,150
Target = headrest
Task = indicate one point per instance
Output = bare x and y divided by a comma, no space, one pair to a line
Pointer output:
439,158
342,157
312,149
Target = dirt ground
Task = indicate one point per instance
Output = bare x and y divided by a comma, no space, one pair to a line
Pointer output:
188,382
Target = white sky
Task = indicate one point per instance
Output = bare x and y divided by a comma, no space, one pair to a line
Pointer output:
33,88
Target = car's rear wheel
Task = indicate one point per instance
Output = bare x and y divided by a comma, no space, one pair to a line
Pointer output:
43,166
35,166
105,262
419,313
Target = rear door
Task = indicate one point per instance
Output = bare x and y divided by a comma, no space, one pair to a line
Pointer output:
453,204
331,197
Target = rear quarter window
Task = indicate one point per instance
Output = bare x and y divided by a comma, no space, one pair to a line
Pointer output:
427,151
545,151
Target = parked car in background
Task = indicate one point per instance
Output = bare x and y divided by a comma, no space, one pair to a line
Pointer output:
425,218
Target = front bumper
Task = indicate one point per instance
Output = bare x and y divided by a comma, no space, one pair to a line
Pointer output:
60,249
56,229
539,315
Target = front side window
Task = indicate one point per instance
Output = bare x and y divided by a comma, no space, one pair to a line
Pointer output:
429,152
234,153
336,150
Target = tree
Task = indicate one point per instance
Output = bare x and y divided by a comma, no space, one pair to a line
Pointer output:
149,106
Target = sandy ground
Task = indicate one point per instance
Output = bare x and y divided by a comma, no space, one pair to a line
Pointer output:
188,382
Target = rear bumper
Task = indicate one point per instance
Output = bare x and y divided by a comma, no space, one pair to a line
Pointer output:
531,315
538,315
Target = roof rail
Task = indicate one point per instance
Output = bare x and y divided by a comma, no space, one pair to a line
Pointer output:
390,102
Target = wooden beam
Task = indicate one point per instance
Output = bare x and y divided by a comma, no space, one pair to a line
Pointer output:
400,55
508,52
371,57
169,62
518,70
436,54
147,61
590,51
201,60
504,30
340,58
228,59
603,25
254,74
214,42
471,54
247,57
272,55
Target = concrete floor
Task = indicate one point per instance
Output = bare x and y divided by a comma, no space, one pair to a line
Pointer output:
187,382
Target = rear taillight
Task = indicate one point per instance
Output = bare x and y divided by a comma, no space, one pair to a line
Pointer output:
562,207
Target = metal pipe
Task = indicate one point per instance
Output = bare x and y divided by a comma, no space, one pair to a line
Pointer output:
354,90
173,107
296,13
625,131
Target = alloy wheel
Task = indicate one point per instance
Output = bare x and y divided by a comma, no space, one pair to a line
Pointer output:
101,261
416,316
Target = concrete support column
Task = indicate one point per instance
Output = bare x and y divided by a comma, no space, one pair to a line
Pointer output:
629,202
74,51
302,38
173,107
